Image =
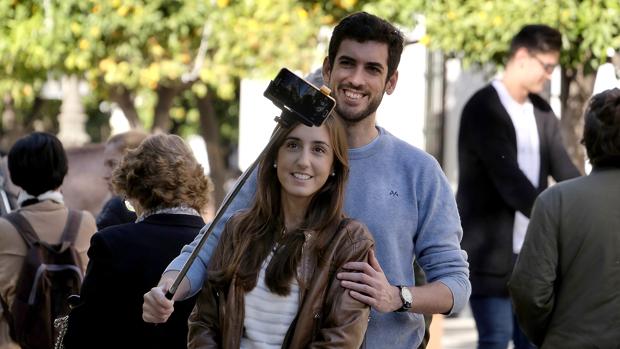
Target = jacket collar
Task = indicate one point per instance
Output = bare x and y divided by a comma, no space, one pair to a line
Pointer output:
45,205
175,219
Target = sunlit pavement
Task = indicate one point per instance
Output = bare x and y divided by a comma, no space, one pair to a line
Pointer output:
456,332
459,332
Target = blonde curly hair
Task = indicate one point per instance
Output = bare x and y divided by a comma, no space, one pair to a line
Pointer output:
162,172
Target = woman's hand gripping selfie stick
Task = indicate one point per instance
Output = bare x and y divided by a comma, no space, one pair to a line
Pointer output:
284,121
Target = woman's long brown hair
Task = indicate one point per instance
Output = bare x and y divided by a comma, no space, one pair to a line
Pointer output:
257,230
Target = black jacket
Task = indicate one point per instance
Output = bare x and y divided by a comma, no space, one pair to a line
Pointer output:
126,261
492,187
114,212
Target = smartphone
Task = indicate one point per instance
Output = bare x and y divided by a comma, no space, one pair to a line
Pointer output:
304,101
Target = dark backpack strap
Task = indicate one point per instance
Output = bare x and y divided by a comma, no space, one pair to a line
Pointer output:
23,228
71,228
8,316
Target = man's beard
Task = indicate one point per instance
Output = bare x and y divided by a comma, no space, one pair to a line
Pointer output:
355,117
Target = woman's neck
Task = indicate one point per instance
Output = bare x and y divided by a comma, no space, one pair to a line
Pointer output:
294,213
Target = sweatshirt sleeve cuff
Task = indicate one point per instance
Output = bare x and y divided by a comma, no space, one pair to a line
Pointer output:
461,290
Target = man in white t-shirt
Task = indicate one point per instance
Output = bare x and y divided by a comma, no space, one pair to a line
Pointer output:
509,143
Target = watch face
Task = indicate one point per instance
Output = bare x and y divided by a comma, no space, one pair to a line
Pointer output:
406,294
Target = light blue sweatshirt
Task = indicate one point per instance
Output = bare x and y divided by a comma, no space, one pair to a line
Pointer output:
403,197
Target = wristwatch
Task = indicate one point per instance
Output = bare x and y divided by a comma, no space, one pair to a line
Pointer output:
405,297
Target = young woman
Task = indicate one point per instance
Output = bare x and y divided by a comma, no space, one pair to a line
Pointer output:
271,282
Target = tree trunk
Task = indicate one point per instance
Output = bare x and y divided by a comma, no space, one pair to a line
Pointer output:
11,129
576,91
122,98
29,119
165,98
434,127
209,129
9,117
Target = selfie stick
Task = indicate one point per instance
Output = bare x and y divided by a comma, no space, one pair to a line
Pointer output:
285,120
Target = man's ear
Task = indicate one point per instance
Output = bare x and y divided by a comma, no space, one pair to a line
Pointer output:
520,54
390,85
326,71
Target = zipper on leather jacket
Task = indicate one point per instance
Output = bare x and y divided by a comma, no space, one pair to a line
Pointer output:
304,267
316,324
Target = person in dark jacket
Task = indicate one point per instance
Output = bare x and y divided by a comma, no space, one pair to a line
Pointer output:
509,144
565,283
115,210
169,190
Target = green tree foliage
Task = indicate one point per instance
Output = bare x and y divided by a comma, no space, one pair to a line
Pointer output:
168,64
127,49
135,45
479,32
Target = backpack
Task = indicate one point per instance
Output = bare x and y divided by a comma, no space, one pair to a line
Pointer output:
49,275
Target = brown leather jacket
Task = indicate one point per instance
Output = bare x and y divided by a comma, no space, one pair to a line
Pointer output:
327,317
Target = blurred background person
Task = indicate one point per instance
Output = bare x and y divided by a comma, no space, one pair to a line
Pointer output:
509,144
169,190
38,165
115,210
565,283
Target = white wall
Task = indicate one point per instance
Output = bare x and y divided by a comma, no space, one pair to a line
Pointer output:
256,121
402,112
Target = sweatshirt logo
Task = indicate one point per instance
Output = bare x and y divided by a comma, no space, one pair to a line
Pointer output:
393,193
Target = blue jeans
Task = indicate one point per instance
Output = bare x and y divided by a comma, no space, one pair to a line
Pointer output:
497,324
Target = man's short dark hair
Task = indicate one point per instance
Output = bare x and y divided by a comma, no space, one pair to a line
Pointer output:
537,38
601,134
38,163
363,27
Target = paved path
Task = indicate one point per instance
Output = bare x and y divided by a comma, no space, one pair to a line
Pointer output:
460,332
453,332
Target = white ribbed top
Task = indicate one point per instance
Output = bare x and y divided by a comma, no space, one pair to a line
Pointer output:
268,315
528,151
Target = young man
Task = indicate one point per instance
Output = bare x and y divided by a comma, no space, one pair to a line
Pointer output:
509,143
398,191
